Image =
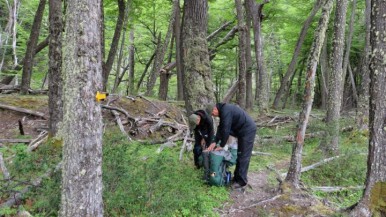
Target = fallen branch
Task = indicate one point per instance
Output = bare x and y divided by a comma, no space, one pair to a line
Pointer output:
120,110
3,167
168,144
18,196
273,139
336,188
156,126
261,202
23,110
15,140
313,166
36,142
120,125
184,144
260,153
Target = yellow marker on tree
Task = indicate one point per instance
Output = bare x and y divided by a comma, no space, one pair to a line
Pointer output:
101,96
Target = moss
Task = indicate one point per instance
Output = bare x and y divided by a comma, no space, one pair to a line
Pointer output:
378,198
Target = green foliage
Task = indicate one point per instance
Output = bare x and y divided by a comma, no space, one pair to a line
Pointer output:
140,182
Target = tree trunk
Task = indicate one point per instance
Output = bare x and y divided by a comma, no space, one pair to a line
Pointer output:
363,102
82,117
161,51
262,91
55,102
240,97
131,62
177,33
284,85
331,142
372,202
114,43
15,8
248,60
29,54
324,72
119,75
198,86
293,175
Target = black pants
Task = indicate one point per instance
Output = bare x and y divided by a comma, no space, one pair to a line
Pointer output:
197,151
244,152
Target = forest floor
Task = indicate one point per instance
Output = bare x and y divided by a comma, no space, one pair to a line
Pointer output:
261,197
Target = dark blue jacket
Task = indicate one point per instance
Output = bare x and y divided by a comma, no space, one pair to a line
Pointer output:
233,121
204,129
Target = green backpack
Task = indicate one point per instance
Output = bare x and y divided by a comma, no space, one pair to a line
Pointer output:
216,165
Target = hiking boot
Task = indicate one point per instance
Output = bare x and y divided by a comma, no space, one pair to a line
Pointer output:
236,185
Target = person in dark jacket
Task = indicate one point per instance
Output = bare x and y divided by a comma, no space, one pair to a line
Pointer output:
236,122
202,125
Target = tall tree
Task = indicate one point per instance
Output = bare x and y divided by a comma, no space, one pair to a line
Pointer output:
197,72
31,46
114,43
130,80
331,142
240,97
262,86
55,102
293,175
177,33
372,202
248,59
363,102
161,51
284,84
82,118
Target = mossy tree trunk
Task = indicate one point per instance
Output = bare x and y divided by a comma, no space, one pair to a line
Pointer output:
240,96
284,84
373,199
55,102
177,33
363,102
293,175
131,63
331,142
31,46
82,117
198,86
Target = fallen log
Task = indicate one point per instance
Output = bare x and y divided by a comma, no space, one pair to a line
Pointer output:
336,188
15,140
120,125
313,166
23,110
36,142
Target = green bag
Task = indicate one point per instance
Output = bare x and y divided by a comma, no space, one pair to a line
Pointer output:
219,162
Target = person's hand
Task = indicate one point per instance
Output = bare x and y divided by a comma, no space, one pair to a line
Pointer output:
218,148
211,146
202,142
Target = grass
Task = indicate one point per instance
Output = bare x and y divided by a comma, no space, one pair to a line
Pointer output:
138,181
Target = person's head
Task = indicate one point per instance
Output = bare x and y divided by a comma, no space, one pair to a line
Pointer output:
194,120
211,109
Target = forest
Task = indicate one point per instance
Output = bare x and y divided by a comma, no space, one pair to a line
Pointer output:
95,98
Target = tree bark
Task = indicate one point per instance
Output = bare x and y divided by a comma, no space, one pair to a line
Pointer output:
293,175
55,102
324,72
198,86
29,54
114,43
119,75
161,51
262,82
240,97
372,199
284,84
82,117
131,62
331,142
363,101
177,33
248,60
